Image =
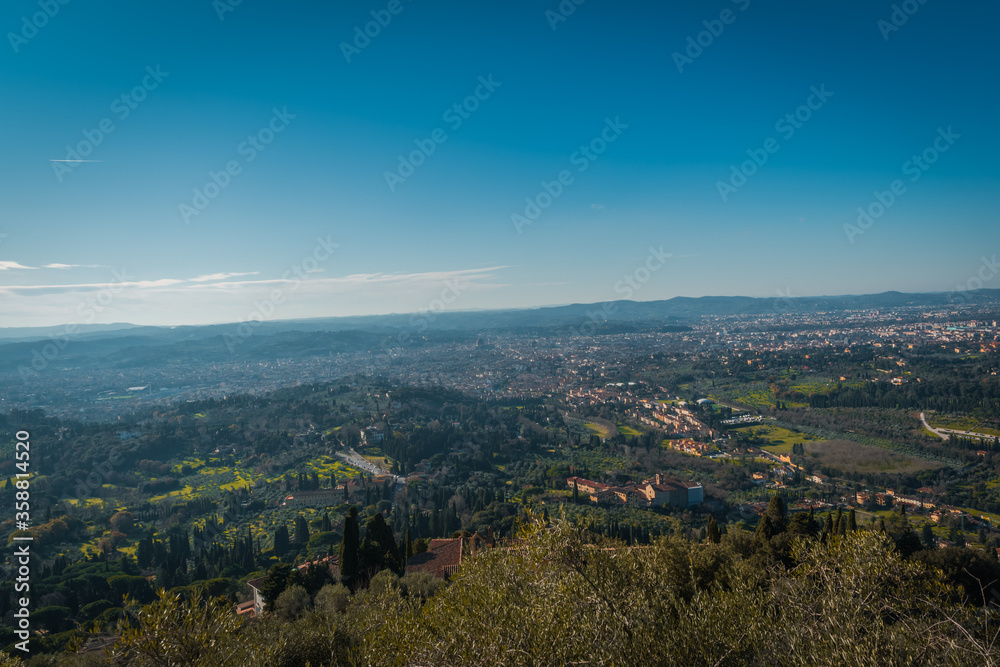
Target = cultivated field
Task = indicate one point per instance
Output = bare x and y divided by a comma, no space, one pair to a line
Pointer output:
854,457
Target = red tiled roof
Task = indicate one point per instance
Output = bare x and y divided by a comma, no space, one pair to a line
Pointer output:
441,559
246,609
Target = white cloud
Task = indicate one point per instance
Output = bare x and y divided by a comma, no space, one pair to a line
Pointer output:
212,298
7,266
89,287
221,276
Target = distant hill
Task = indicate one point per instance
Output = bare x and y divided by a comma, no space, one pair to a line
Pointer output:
34,333
609,317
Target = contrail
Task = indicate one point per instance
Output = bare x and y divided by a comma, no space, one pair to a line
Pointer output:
76,160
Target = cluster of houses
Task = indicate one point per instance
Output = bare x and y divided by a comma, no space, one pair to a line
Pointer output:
656,492
688,446
677,420
674,419
890,499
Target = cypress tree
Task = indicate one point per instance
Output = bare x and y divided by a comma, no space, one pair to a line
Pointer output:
852,521
379,550
827,528
712,530
929,541
777,513
301,530
281,542
349,548
765,529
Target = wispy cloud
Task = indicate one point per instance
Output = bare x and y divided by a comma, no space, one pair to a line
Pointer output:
7,266
221,276
87,287
218,298
218,281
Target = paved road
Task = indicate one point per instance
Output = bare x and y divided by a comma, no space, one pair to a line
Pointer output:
357,460
946,433
943,436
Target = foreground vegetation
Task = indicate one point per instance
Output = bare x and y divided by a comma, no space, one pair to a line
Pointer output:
793,593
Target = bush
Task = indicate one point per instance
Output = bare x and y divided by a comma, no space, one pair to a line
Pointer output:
292,603
420,584
332,598
95,609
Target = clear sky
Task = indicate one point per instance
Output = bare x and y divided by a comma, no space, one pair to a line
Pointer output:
646,111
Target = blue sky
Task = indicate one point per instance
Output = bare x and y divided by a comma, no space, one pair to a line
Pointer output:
193,88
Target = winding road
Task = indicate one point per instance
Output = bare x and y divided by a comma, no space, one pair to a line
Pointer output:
946,433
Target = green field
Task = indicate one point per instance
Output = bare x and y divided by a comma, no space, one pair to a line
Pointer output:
597,429
780,440
628,431
605,430
755,395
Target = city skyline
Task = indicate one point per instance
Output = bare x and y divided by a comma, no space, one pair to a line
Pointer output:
180,165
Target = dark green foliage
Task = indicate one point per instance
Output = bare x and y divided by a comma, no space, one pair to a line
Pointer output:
712,531
94,609
349,548
802,523
778,514
52,618
975,572
301,530
275,583
927,536
134,587
765,529
281,542
321,542
378,550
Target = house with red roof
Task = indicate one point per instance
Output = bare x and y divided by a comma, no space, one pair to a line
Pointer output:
445,555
